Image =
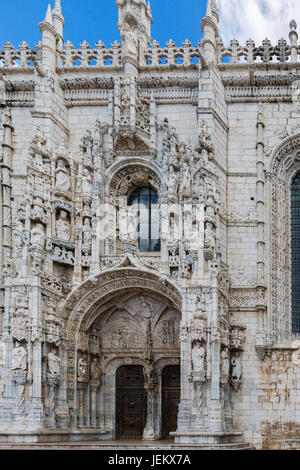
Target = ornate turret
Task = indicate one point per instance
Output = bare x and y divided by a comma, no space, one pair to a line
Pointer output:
58,21
49,35
209,26
134,24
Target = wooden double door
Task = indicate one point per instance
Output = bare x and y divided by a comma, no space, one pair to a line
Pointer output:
131,401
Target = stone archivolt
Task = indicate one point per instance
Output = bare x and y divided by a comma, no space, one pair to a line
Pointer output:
78,297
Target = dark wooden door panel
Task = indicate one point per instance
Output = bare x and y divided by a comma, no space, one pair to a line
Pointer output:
170,400
131,403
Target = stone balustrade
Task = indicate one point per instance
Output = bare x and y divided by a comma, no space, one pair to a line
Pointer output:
155,55
171,54
250,54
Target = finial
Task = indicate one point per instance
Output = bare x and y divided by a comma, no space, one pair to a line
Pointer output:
208,10
293,25
48,18
57,7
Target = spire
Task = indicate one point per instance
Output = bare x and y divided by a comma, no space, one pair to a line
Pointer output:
212,11
58,21
48,45
209,25
48,17
208,10
57,7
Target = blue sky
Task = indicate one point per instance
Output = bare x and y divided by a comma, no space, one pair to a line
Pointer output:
92,20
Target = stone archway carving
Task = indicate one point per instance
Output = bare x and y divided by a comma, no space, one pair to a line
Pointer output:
285,163
137,172
126,310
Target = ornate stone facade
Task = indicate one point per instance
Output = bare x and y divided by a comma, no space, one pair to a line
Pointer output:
215,143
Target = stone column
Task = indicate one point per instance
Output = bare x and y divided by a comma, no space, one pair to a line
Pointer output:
94,386
149,431
82,388
19,377
6,167
53,382
260,204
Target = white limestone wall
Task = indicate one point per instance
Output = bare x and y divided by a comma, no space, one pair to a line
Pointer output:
80,119
181,116
267,405
1,367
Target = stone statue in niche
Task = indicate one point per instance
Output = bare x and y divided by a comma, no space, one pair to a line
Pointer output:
62,180
210,237
38,236
225,363
83,367
19,231
19,357
186,181
236,370
86,235
198,357
148,372
172,183
53,363
131,224
63,230
86,183
129,42
95,369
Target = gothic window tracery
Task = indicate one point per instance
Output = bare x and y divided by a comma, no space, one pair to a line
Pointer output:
144,203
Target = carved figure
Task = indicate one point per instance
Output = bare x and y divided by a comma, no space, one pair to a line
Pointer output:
86,184
236,369
38,236
62,181
198,357
225,362
129,42
83,368
54,363
63,230
95,369
19,357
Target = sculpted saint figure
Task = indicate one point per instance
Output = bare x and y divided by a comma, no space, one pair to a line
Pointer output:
186,182
148,371
62,177
198,355
172,182
224,362
86,235
131,224
19,230
19,357
53,363
129,42
236,369
210,239
86,185
83,368
63,227
38,236
95,369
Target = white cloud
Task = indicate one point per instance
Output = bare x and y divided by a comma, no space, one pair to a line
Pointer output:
257,19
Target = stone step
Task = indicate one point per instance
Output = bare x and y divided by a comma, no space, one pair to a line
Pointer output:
118,445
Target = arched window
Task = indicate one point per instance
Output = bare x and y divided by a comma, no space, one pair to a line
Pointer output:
144,202
295,238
